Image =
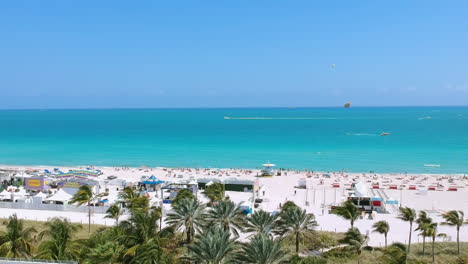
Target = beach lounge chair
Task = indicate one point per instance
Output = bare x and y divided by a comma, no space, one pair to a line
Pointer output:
452,188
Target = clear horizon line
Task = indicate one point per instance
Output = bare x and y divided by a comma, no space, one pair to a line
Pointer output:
224,107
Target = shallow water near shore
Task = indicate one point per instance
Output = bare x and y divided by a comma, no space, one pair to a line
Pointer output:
325,139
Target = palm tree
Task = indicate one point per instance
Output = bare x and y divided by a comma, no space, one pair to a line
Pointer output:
17,241
108,252
215,192
262,249
297,222
356,241
213,247
432,232
114,212
128,194
228,215
348,211
382,227
422,221
457,219
288,205
261,222
408,215
183,194
189,214
141,226
149,253
59,244
132,199
85,195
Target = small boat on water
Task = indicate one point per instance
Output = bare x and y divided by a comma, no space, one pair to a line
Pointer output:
385,134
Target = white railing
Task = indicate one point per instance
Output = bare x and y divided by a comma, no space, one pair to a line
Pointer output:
53,207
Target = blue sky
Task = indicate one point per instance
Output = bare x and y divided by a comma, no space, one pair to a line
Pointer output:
108,54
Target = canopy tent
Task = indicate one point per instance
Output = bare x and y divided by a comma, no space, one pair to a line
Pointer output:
152,180
60,196
361,190
40,195
5,195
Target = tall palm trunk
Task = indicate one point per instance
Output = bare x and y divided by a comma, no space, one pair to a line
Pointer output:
352,223
458,240
433,252
297,244
409,239
189,237
424,244
89,216
386,240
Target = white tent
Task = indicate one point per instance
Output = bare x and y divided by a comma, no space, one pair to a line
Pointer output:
21,193
40,195
60,196
5,195
361,190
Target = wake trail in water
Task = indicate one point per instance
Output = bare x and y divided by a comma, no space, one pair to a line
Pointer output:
281,118
360,134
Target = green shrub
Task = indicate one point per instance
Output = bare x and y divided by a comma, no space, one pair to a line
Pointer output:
462,260
307,260
342,252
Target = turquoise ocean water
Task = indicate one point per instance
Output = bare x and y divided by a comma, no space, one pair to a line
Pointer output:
326,139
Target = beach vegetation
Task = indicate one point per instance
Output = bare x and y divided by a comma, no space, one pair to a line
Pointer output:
183,194
214,246
57,240
263,249
356,242
220,234
17,240
215,192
